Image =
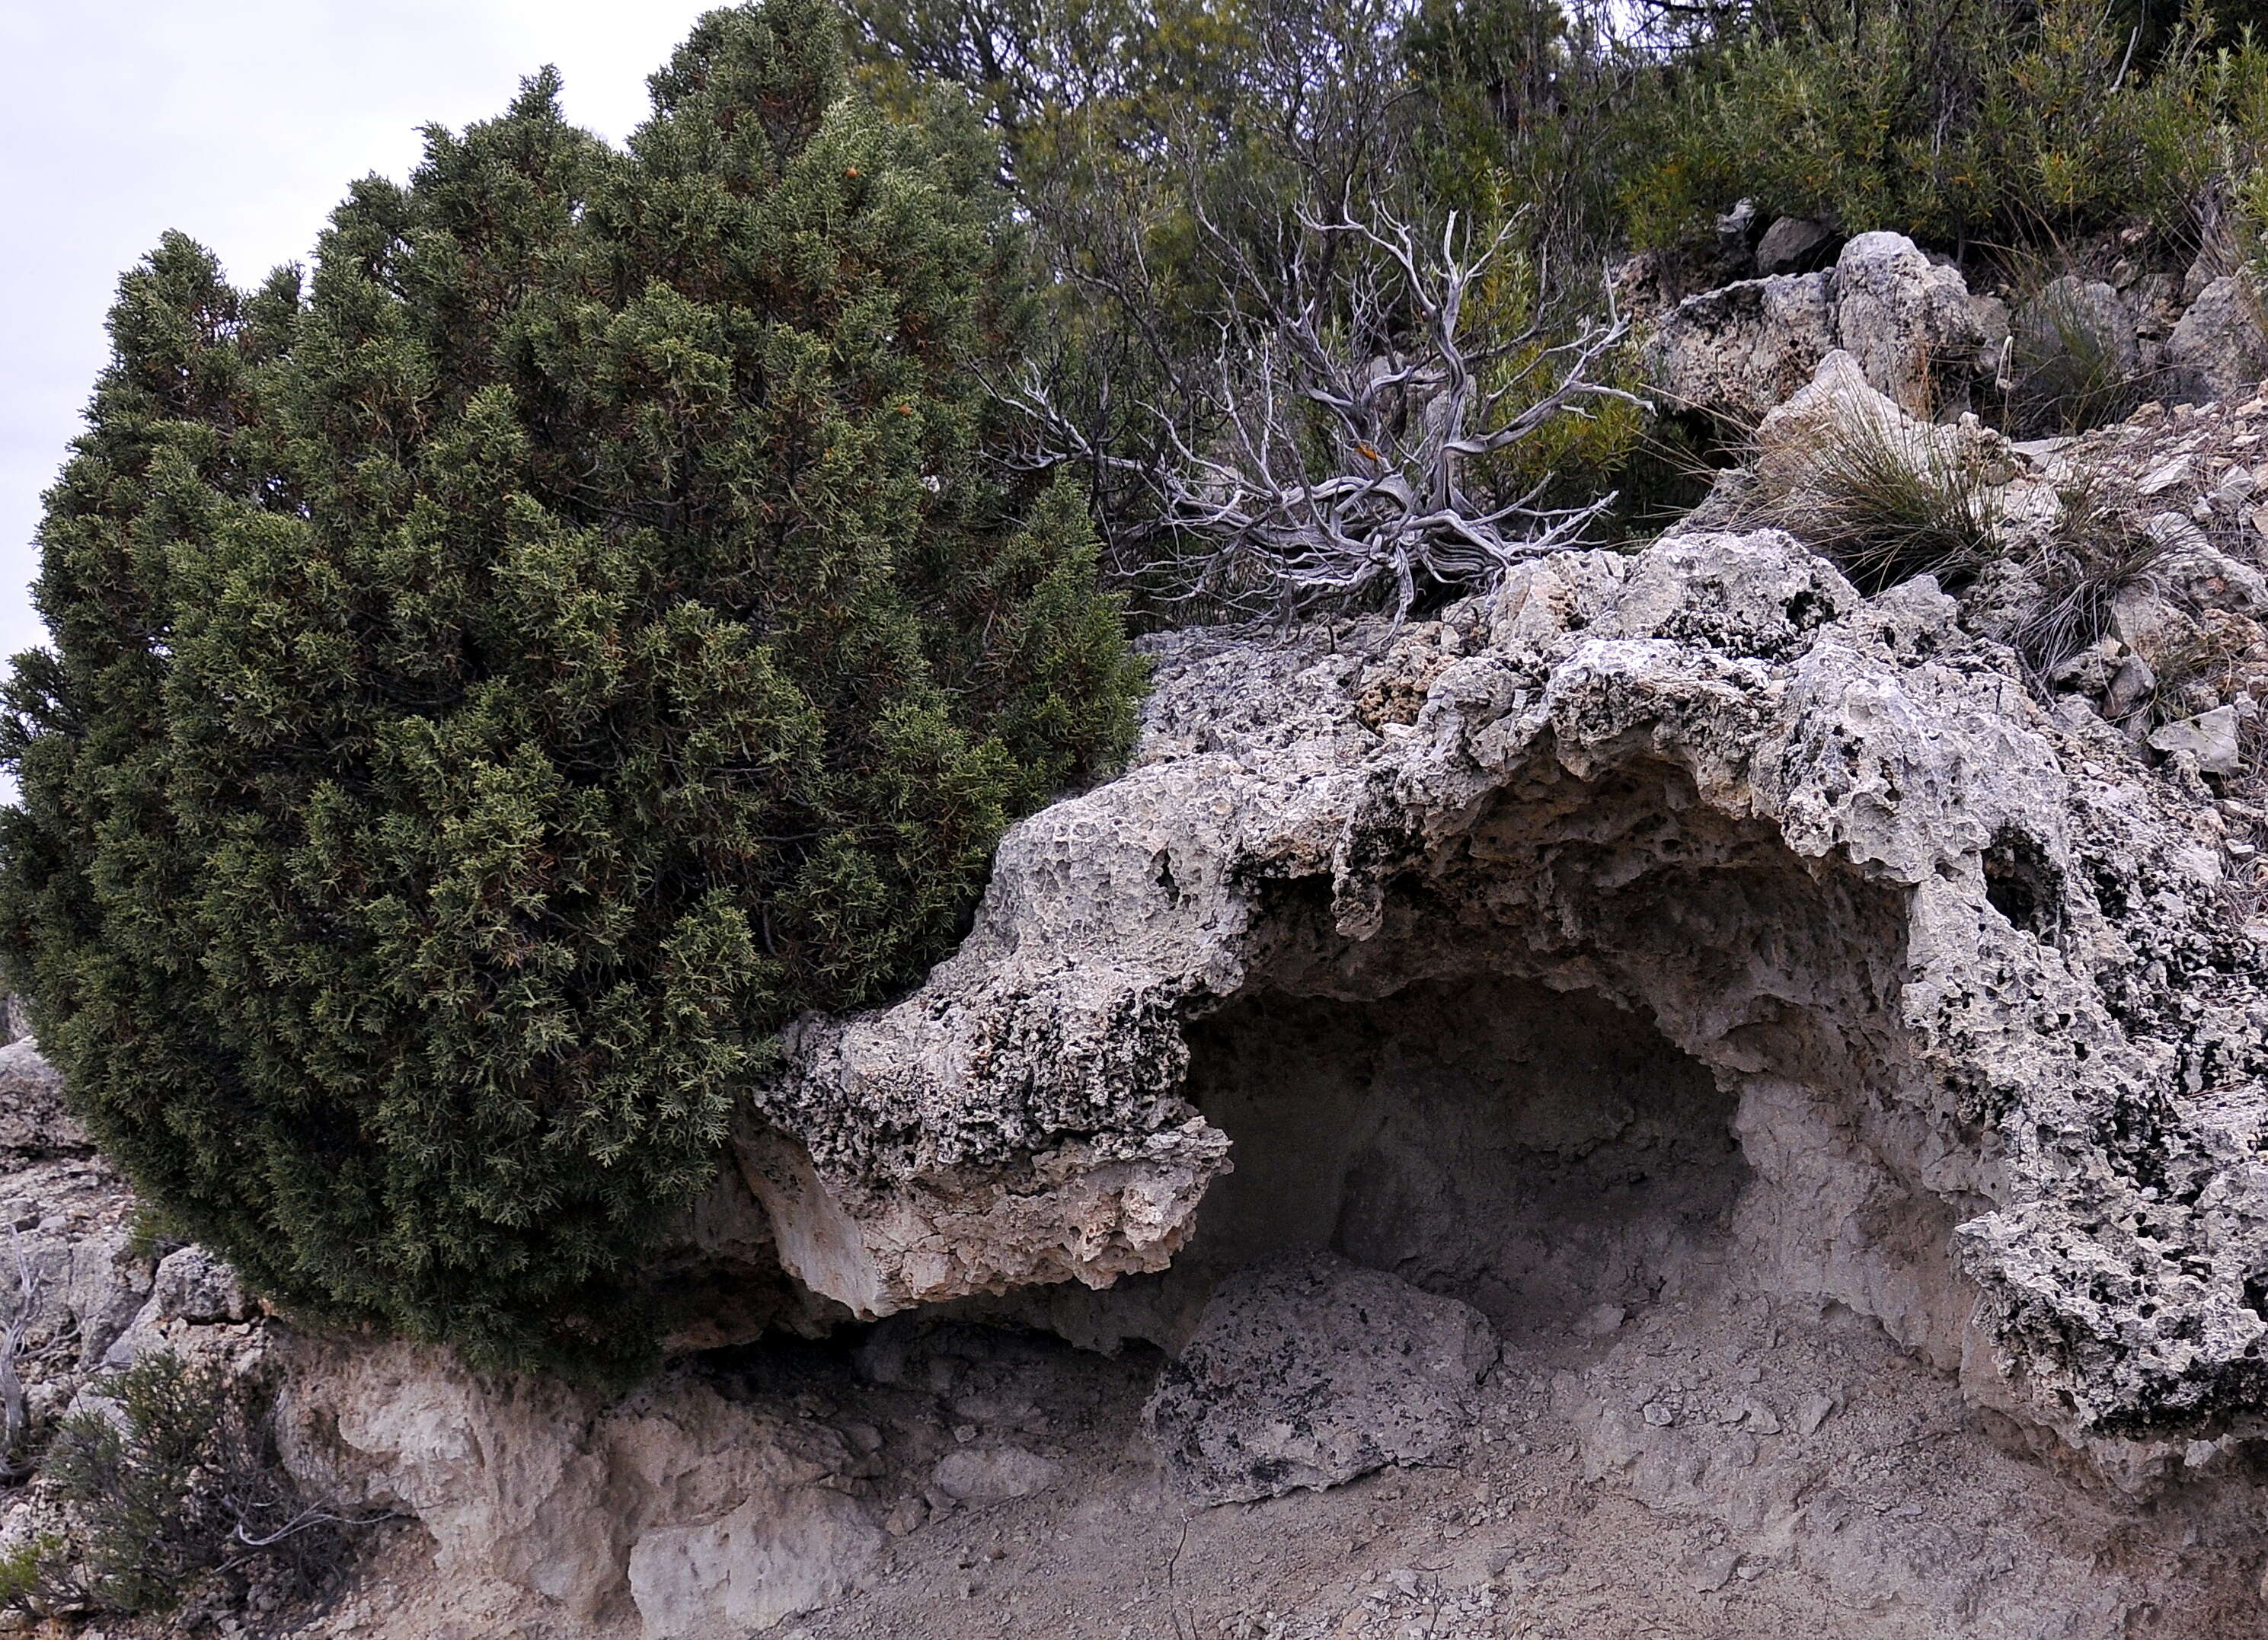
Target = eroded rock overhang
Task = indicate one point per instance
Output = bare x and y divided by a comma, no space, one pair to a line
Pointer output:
1995,1044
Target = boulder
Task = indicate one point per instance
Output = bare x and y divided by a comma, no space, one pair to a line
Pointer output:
708,1516
2218,349
1837,395
1734,352
33,1121
2210,738
1906,320
986,1475
1794,245
192,1286
1305,1372
1837,404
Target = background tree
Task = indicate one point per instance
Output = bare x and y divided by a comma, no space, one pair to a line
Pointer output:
499,683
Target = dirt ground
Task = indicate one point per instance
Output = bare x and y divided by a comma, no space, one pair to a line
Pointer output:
1712,1467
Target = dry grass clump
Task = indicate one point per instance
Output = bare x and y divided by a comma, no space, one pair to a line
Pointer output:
2101,547
1886,499
2065,373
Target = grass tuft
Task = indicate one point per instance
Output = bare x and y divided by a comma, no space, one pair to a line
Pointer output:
1887,500
2100,547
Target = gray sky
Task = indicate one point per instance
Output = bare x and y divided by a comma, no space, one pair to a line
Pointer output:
239,122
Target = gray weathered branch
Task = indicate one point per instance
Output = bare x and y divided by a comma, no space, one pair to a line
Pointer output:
1324,458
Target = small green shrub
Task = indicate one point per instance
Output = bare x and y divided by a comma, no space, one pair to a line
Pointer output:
21,1571
500,679
177,1478
2004,122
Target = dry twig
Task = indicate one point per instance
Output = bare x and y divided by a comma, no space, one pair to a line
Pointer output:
1334,455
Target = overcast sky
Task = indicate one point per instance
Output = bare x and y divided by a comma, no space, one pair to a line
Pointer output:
239,122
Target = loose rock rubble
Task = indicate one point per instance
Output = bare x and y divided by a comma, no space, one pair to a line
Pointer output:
1305,1372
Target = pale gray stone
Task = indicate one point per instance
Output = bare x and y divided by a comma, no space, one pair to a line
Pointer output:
34,1121
983,1474
192,1286
2210,738
1907,321
2218,349
1305,1372
1737,351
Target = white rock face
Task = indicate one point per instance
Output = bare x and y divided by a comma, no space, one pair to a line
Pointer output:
1959,963
704,1516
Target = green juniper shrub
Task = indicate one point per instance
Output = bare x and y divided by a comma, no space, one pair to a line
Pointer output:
26,1571
499,682
176,1476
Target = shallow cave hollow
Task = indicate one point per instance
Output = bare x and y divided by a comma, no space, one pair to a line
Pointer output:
1486,1095
1536,1154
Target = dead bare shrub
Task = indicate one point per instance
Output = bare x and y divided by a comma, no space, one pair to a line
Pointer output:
1373,429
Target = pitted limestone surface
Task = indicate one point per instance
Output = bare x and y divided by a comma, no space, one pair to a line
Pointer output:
1827,848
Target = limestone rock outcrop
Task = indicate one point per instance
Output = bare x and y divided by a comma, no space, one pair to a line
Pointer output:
674,1511
1735,352
1906,320
1994,1047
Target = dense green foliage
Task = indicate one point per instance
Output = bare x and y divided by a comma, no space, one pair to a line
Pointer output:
496,685
1178,156
2007,121
1170,153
